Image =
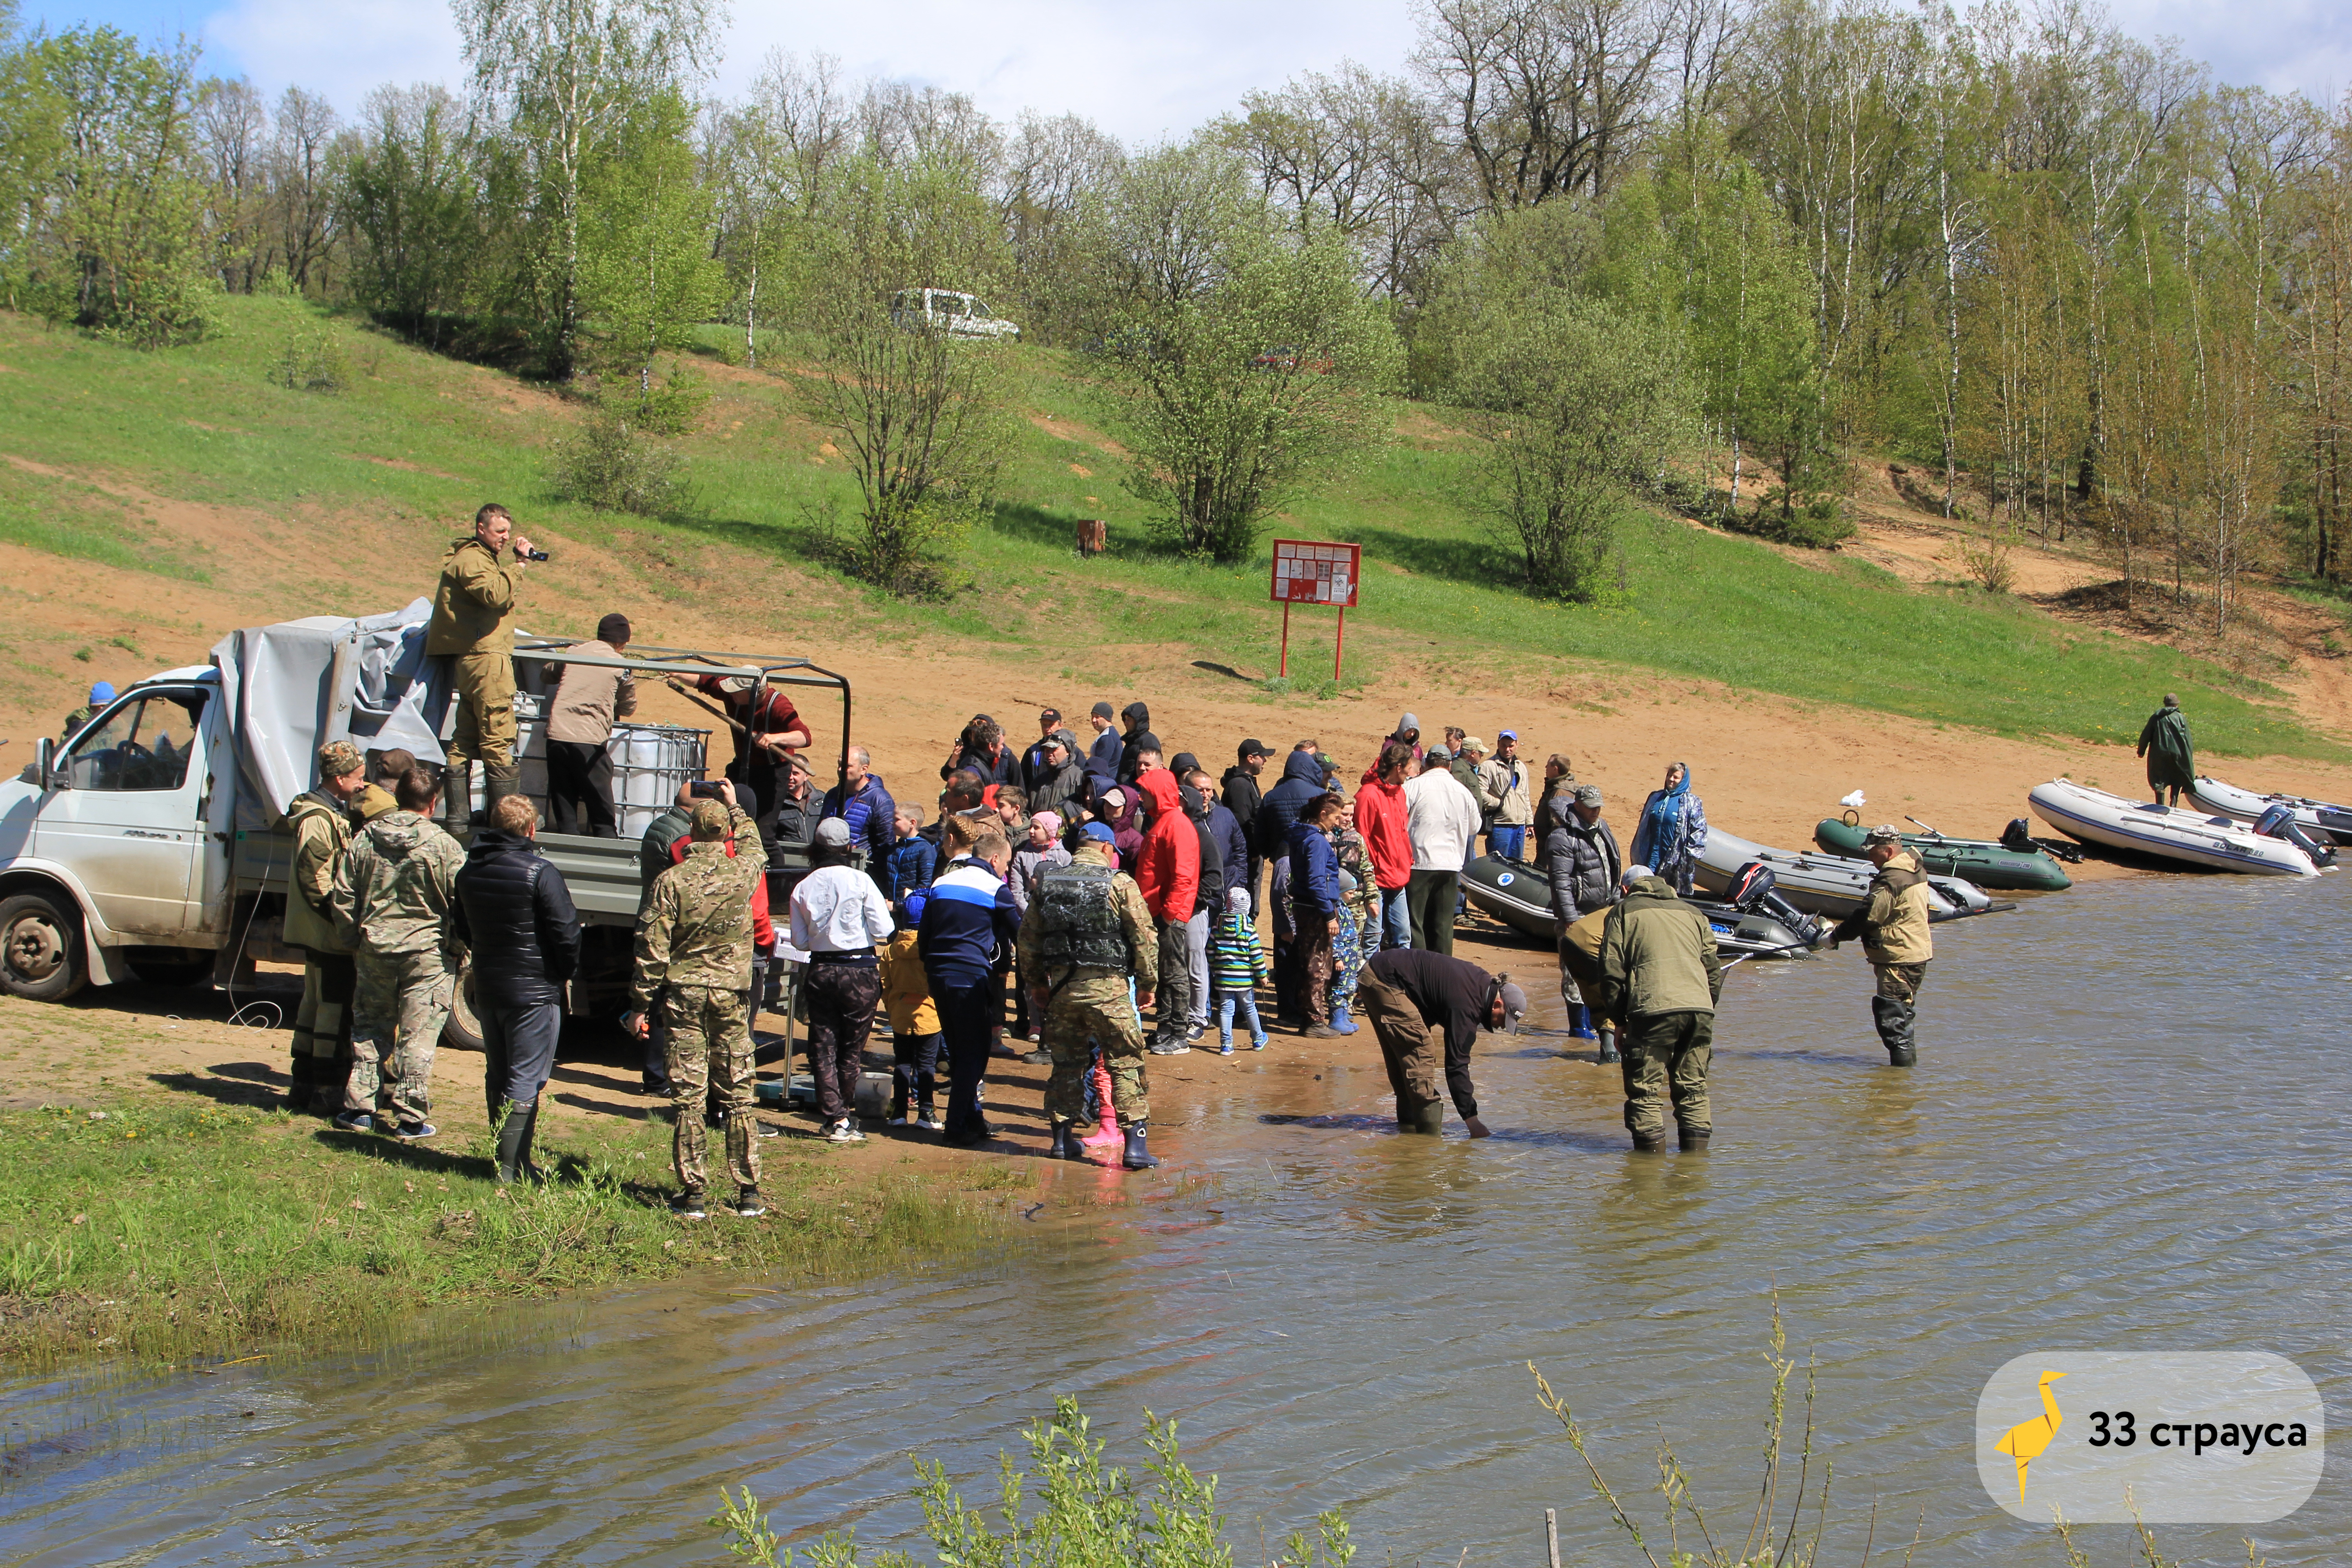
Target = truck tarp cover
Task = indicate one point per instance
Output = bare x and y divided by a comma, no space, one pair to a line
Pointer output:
292,688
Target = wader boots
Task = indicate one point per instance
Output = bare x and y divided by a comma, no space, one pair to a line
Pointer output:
1138,1158
1894,1020
514,1143
498,783
1695,1143
457,798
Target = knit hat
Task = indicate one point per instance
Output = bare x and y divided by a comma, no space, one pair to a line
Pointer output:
613,630
1103,710
101,692
339,758
1100,832
711,819
1051,821
1237,900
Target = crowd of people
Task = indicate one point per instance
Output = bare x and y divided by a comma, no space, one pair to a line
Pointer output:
1055,894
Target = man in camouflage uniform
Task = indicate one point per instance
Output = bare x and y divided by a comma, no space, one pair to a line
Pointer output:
321,825
101,692
1088,936
473,627
392,902
693,964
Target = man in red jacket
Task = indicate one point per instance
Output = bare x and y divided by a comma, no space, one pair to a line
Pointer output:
1168,872
1380,822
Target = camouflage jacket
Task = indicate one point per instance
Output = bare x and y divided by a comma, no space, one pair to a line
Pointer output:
1135,921
322,831
697,928
395,888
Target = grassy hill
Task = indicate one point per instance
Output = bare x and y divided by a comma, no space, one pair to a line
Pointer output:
92,431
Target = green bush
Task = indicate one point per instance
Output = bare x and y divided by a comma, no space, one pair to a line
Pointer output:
613,465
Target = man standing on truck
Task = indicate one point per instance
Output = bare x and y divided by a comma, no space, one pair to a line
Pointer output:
694,962
392,903
473,627
580,713
322,831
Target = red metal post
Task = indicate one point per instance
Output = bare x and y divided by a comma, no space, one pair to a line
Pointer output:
1285,670
1339,648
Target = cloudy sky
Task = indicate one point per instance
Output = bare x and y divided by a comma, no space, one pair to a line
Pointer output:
1140,71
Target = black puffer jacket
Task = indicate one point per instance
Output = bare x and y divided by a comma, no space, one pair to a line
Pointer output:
1302,781
515,913
1241,796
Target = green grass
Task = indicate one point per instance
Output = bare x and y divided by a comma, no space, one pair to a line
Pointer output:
204,424
160,1229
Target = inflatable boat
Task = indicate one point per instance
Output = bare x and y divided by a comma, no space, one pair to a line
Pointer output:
1827,884
2321,819
2194,837
1987,862
1521,896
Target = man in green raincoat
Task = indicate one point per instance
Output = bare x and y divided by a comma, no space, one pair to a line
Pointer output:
2171,754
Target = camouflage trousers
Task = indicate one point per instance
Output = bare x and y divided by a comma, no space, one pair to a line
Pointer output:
485,729
1666,1057
1094,1009
710,1044
402,1002
322,1032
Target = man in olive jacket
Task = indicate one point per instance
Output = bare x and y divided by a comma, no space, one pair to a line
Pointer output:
473,627
1659,972
1897,940
321,825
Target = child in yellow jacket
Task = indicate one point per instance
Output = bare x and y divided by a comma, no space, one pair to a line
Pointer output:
914,1022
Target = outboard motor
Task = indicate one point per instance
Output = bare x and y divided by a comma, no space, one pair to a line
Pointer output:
2019,836
2279,822
1755,890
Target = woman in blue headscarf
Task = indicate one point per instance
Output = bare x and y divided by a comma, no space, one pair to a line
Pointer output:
1672,831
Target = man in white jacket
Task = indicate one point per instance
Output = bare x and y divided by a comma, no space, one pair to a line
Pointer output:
1441,819
838,916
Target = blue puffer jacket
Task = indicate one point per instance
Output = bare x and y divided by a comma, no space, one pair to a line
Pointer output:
1314,873
1302,781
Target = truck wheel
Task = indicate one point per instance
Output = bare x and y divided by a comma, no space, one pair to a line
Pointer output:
40,949
463,1032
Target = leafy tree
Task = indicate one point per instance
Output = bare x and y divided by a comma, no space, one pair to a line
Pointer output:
411,197
1244,361
918,411
1574,397
570,74
109,236
647,272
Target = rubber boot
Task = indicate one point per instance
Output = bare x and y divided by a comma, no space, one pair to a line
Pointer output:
1340,1022
1432,1119
1694,1139
1063,1146
498,783
457,798
1609,1053
1138,1157
1647,1142
298,1089
514,1143
1580,1023
1893,1021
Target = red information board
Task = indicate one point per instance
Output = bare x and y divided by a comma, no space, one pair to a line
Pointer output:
1314,572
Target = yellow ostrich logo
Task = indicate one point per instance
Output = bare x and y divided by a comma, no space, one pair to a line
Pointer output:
2026,1441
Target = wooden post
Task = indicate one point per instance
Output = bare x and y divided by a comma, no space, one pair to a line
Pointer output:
1552,1535
1285,670
1093,536
1339,648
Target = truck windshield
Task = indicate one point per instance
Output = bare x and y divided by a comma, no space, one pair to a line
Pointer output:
144,744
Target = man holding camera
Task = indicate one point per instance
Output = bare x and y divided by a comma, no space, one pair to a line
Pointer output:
473,627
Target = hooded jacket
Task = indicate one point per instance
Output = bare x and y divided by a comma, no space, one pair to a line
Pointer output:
1894,924
1102,762
1232,852
322,832
1239,792
398,878
515,913
1302,781
1168,867
1314,874
1657,955
1210,894
1137,720
473,605
1583,864
1379,818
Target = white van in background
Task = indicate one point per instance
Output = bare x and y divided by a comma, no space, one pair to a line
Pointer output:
956,314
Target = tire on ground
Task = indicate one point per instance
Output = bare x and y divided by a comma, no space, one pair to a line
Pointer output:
41,956
463,1032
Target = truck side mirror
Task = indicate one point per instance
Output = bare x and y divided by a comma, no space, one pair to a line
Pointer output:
44,759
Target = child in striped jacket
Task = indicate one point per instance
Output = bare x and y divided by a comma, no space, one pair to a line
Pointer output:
1237,968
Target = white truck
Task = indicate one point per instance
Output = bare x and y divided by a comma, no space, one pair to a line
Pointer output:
152,846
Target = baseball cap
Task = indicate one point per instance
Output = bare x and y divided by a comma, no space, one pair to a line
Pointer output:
1473,744
1885,833
914,903
1254,748
1506,735
833,833
1100,832
337,758
1588,794
709,819
1515,1006
101,692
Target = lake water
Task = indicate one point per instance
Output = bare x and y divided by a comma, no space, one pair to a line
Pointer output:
2128,1131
